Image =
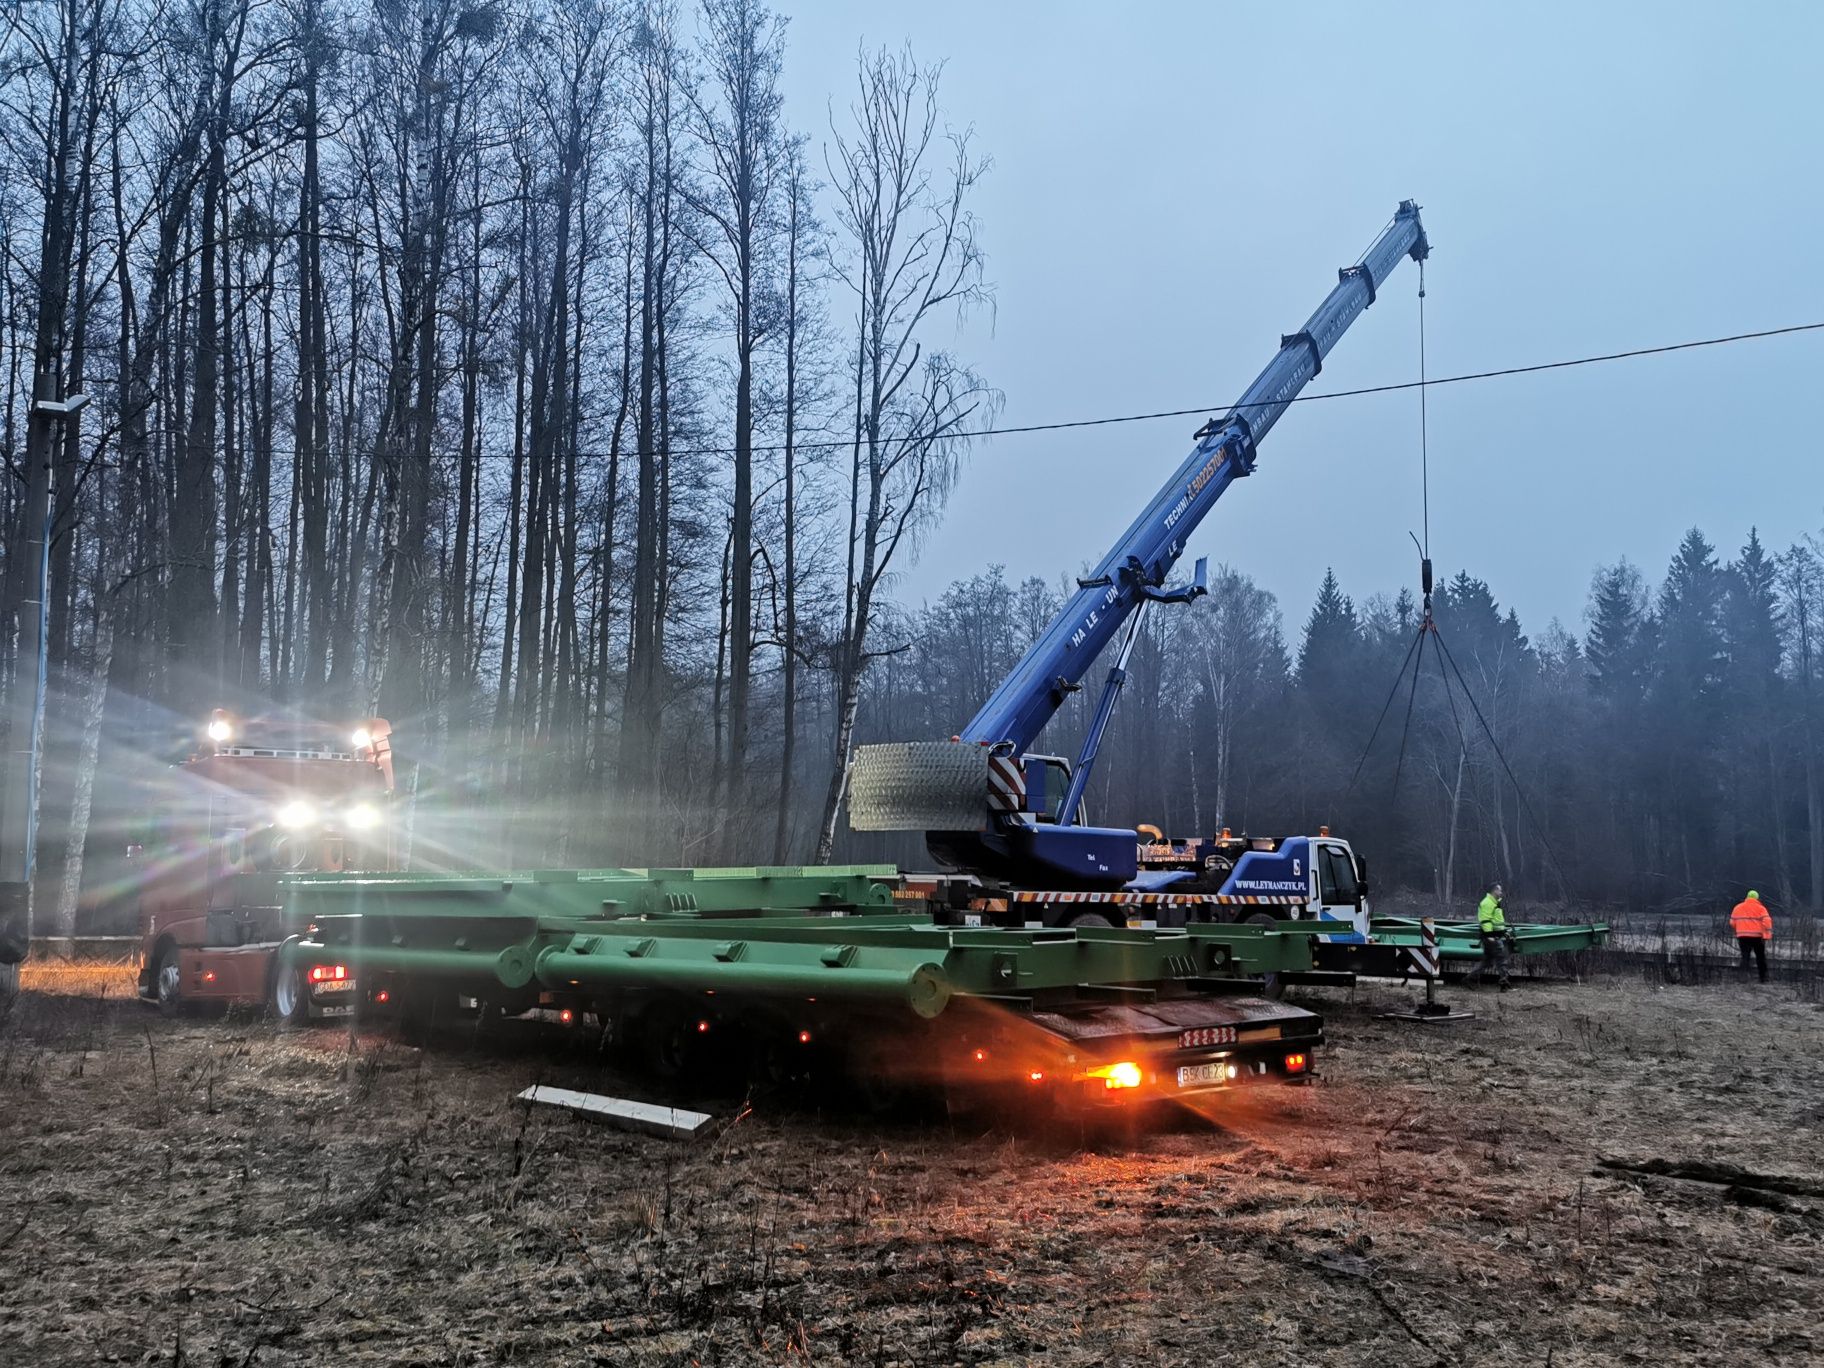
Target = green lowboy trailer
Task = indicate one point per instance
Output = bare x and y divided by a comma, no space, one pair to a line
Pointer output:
785,970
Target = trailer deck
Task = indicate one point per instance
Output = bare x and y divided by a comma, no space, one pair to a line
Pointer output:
795,966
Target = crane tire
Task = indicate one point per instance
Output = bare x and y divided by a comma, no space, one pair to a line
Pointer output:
1274,987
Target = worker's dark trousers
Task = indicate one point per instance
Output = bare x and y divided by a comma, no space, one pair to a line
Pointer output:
1754,945
1494,956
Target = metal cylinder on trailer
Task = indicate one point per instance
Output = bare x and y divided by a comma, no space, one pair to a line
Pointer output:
923,988
511,967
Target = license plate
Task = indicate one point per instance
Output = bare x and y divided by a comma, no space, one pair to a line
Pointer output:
346,985
1206,1035
1196,1075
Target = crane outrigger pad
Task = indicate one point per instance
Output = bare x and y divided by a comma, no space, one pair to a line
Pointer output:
930,786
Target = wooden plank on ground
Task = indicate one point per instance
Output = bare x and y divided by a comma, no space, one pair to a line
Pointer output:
672,1122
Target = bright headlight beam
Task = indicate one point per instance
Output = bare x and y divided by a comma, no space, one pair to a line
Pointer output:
297,813
362,817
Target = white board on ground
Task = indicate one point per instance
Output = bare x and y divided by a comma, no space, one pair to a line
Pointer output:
673,1122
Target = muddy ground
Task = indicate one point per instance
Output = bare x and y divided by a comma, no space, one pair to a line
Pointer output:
214,1192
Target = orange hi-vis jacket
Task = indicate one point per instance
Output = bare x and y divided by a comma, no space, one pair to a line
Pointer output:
1751,921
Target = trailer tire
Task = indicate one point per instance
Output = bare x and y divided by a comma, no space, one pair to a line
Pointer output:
1094,919
663,1040
1273,987
290,997
168,980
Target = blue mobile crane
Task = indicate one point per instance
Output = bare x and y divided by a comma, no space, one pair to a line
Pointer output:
1011,817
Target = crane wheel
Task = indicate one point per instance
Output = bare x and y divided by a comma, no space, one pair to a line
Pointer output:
1274,986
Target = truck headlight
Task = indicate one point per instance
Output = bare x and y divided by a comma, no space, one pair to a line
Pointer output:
362,817
297,813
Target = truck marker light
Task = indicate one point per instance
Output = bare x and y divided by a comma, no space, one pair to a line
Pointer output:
1295,1063
566,1016
702,1028
1036,1076
383,996
804,1037
208,976
1125,1074
981,1056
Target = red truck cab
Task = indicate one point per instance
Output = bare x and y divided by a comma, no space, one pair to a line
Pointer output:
257,801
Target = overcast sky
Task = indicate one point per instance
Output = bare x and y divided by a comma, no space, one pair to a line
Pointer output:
1174,186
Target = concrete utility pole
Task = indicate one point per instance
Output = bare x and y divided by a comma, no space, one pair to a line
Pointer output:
25,729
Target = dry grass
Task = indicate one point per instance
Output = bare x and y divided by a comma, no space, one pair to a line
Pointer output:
211,1191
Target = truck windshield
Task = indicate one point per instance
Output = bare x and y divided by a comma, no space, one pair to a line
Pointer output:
1336,876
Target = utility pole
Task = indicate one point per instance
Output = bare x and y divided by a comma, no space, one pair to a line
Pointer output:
25,729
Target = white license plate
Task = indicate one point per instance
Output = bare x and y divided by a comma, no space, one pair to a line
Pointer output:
346,985
1196,1075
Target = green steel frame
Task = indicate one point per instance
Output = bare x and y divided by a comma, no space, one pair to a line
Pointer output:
829,934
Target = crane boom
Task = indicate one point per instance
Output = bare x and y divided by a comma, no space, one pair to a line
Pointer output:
983,799
1136,567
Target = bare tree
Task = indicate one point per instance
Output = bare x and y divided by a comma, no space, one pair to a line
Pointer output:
913,260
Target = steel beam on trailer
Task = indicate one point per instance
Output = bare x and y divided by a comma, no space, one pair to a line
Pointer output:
751,890
826,934
1459,940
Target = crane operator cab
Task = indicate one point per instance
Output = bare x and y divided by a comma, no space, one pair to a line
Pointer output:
255,802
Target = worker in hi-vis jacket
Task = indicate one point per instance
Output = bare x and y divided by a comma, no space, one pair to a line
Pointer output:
1753,927
1491,920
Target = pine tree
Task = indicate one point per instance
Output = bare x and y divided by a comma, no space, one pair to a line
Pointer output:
1618,645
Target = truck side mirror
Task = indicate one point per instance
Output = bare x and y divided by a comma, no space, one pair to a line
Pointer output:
1361,876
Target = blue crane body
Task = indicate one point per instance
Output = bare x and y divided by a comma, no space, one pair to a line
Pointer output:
1225,451
1018,836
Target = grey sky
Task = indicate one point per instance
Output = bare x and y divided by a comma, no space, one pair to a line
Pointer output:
1174,186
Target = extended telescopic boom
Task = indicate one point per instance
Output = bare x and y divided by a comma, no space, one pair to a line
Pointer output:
1135,569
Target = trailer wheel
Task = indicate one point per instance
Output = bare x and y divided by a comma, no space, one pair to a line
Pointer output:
1088,919
664,1040
168,981
1274,987
290,996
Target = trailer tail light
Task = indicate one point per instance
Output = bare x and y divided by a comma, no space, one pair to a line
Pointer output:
383,996
702,1028
566,1016
804,1037
1296,1063
328,973
1036,1076
1125,1074
208,976
981,1056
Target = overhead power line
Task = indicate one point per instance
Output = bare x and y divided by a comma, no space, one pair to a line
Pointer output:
1202,410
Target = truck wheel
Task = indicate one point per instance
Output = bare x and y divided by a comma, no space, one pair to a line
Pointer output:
168,982
1274,987
290,996
1089,919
